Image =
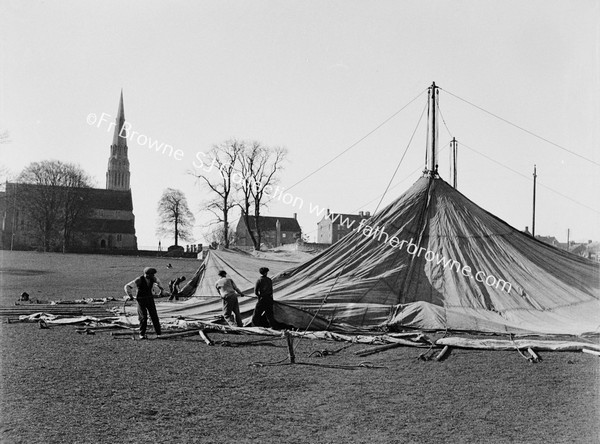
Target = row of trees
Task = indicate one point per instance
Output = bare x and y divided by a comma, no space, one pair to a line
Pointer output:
54,198
240,174
54,195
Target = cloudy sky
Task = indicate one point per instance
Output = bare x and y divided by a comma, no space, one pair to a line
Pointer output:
520,85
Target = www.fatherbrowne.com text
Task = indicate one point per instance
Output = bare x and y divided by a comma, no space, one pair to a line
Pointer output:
278,193
414,250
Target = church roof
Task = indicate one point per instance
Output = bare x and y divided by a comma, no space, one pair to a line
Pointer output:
110,199
269,223
98,198
110,226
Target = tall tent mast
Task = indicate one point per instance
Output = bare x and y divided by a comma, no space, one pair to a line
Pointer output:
534,183
432,149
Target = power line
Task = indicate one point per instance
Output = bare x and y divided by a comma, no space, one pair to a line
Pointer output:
525,130
529,179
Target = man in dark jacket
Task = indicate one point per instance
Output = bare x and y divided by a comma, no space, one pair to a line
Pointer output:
174,288
263,312
145,299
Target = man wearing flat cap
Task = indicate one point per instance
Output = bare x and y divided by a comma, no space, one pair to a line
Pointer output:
145,299
229,293
263,312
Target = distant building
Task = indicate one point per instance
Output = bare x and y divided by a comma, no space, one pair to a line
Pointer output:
275,231
591,250
335,226
109,224
550,240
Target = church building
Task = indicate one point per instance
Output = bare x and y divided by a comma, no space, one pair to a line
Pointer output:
109,223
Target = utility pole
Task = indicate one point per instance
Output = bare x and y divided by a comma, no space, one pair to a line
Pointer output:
454,149
534,183
568,238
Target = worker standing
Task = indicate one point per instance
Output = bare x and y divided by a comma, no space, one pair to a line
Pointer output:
229,293
145,299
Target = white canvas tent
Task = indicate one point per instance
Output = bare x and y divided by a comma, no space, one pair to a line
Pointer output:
369,282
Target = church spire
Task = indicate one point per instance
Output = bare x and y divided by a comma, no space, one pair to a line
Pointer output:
117,175
120,123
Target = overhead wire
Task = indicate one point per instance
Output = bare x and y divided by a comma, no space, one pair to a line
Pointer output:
512,169
357,142
529,178
352,252
324,300
523,129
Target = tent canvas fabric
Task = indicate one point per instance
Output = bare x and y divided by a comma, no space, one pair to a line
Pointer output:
205,301
369,282
460,268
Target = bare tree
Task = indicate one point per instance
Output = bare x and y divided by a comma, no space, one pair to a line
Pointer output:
217,173
54,194
215,236
4,136
258,167
5,176
174,216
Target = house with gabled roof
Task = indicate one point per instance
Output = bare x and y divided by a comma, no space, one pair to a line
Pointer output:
275,231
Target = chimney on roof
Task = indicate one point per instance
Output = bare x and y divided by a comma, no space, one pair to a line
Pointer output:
296,216
368,214
327,211
360,213
277,233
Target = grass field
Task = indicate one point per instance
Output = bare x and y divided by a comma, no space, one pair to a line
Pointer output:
58,386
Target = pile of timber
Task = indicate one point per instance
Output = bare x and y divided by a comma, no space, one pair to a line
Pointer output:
56,309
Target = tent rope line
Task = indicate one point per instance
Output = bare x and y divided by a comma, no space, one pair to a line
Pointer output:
356,245
375,212
378,205
359,140
523,129
401,159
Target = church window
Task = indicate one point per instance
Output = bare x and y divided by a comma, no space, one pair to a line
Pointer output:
119,238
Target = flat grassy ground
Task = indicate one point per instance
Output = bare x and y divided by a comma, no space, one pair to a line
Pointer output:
58,386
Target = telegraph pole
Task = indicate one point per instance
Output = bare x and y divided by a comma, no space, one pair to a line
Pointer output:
454,146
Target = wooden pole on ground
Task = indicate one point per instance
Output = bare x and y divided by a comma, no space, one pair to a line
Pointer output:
534,356
180,334
591,352
290,344
372,351
443,354
205,338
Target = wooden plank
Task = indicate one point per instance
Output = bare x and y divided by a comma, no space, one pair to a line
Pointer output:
591,352
205,338
55,310
443,354
181,334
373,350
534,356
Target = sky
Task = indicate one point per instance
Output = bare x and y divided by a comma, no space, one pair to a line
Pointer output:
520,86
